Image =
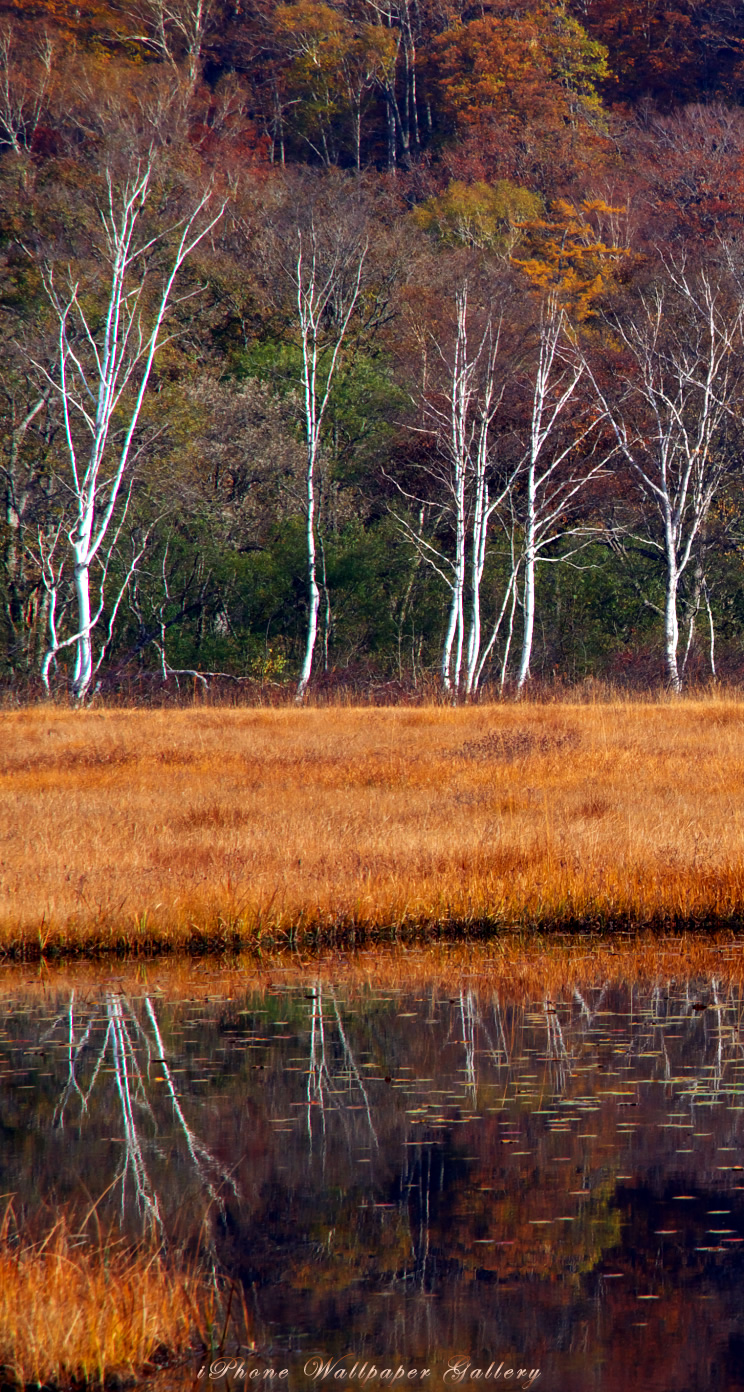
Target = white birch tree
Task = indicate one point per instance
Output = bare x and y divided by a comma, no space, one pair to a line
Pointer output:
109,324
25,81
527,480
673,408
459,402
174,30
559,463
326,277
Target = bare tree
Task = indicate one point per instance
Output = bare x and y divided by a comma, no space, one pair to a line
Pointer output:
25,80
105,353
326,276
527,480
173,29
673,407
559,463
462,390
403,21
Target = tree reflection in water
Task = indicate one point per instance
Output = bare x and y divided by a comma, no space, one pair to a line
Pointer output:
412,1169
323,1088
133,1052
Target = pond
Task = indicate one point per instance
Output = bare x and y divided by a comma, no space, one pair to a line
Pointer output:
407,1183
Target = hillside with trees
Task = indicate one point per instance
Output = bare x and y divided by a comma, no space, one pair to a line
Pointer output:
383,344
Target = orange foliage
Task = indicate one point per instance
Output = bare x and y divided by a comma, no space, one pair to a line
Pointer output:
84,20
568,254
527,79
540,66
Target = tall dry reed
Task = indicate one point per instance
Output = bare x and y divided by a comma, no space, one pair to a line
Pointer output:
75,1312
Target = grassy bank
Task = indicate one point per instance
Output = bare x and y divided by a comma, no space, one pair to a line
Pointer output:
168,829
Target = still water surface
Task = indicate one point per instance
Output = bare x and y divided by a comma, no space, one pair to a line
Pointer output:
408,1176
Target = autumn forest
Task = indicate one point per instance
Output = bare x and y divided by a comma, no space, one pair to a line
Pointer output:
370,353
386,345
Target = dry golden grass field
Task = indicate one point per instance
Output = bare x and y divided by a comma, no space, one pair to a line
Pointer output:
138,828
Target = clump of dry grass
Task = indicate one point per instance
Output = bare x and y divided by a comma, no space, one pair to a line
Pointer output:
142,829
72,1312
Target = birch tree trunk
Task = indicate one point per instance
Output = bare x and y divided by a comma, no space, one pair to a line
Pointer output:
528,598
477,563
482,512
104,364
459,406
83,670
559,465
326,275
672,625
674,410
313,591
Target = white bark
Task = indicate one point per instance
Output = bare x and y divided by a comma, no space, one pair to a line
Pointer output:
459,445
83,670
459,408
476,486
318,283
102,371
556,472
671,621
671,414
528,599
482,512
712,650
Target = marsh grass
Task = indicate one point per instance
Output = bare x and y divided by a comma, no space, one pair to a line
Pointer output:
75,1311
138,831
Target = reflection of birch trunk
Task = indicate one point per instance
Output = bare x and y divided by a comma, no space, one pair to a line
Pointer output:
319,1081
134,1162
499,1051
354,1070
556,1048
124,1033
415,1183
499,1022
74,1052
421,1249
318,1071
718,1072
467,1017
589,1012
202,1158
